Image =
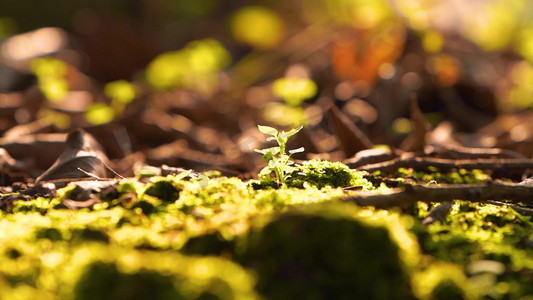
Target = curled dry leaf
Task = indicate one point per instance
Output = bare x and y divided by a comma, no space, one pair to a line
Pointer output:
421,127
351,138
81,158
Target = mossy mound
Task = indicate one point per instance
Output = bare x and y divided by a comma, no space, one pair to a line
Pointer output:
316,252
162,275
323,252
319,174
95,271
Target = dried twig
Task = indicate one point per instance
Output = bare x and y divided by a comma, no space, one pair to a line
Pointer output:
401,197
445,164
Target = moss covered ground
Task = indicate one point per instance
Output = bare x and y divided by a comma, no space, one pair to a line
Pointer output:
204,236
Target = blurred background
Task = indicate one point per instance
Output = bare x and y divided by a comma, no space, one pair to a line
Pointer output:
186,82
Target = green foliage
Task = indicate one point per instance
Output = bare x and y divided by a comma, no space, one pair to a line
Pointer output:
321,173
50,73
120,90
99,113
195,66
294,90
278,160
121,93
258,26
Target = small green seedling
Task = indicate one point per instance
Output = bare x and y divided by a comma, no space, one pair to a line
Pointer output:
279,162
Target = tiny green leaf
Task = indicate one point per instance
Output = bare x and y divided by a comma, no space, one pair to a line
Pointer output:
298,150
285,135
279,162
265,171
267,130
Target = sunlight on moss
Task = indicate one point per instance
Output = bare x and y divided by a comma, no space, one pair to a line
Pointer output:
294,90
120,90
99,113
51,251
321,173
61,120
433,175
284,115
50,73
521,95
358,13
432,41
258,26
48,67
442,281
195,66
493,24
54,89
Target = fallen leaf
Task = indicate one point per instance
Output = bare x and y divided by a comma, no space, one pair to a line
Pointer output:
81,158
417,139
351,138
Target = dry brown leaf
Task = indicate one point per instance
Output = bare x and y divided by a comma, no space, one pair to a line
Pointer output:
417,139
81,158
351,138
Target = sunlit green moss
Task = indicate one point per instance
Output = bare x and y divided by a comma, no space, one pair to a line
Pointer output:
294,90
195,66
39,204
433,174
300,235
294,256
95,271
258,26
50,73
320,173
120,90
99,113
443,281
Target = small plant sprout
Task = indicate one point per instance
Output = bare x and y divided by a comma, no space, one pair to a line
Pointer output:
279,161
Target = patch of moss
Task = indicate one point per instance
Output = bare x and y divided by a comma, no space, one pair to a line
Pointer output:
443,281
324,253
126,274
164,189
433,174
105,281
321,173
318,173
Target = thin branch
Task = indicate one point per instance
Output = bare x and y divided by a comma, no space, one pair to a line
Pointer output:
447,164
404,196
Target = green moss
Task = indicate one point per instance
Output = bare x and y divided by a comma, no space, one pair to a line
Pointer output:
319,173
125,274
40,204
433,174
298,240
105,281
212,191
324,253
164,189
443,281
